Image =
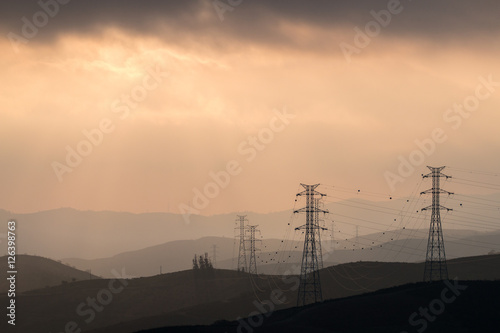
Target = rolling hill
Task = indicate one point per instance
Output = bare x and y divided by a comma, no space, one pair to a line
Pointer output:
103,234
458,306
177,255
191,298
37,272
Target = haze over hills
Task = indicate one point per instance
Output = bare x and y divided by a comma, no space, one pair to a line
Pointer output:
276,256
93,235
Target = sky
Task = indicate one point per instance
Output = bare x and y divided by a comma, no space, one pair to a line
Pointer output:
212,107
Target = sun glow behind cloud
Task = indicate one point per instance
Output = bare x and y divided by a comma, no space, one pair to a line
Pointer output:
222,89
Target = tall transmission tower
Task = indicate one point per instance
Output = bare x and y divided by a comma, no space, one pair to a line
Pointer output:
252,268
242,256
310,284
435,259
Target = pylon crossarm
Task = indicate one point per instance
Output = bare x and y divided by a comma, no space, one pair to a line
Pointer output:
439,207
436,191
311,186
438,175
443,175
312,210
313,226
312,192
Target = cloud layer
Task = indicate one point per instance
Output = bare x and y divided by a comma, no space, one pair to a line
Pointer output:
257,21
354,120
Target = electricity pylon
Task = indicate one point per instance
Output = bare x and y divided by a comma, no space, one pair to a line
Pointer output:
435,259
310,284
242,256
252,268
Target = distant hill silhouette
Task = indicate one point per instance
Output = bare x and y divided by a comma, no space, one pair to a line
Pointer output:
104,234
171,256
177,255
37,272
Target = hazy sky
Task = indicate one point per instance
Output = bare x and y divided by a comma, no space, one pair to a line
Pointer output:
333,92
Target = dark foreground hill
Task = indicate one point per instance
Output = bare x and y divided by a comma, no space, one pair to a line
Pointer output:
338,281
90,304
451,306
38,272
192,297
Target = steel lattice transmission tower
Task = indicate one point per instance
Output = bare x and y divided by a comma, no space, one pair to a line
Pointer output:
435,259
252,268
310,284
242,256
